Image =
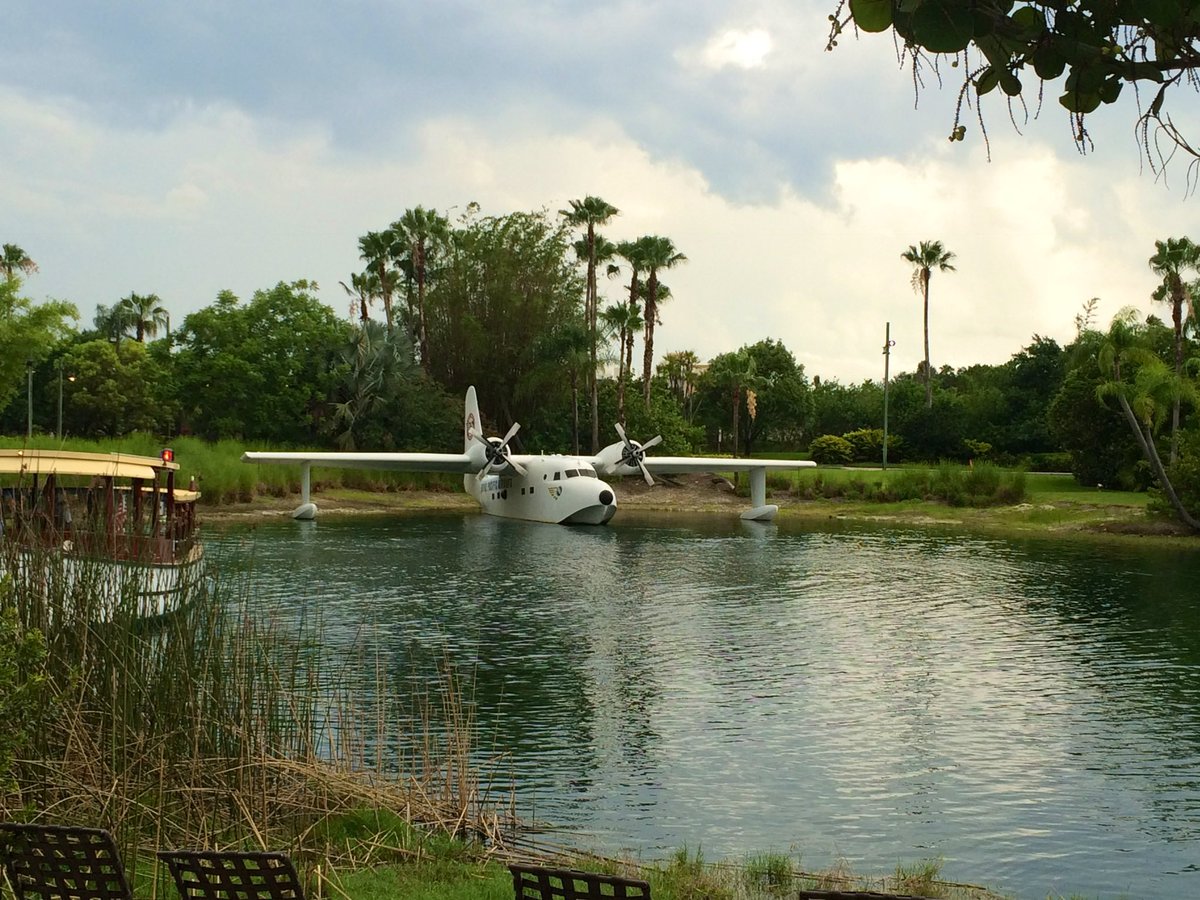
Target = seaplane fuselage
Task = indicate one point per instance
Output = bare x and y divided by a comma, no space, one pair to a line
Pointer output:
563,490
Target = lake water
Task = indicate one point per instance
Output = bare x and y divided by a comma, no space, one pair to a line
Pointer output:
1028,711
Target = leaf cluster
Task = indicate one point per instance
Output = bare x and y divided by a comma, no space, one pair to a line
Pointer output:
1096,46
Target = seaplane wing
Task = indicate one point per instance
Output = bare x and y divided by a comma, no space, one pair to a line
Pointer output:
628,457
560,489
453,463
672,465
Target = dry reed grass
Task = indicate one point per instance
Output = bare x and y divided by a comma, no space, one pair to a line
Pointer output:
214,729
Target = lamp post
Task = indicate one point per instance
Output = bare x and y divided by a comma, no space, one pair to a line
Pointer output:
29,398
59,432
888,344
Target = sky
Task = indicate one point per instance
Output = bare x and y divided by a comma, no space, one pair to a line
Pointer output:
184,149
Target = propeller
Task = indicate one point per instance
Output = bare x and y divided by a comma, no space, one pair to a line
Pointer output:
634,453
496,453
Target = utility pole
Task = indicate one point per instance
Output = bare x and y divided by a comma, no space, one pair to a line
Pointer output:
59,433
888,344
29,399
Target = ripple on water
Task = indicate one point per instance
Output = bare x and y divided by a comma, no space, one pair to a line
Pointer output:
1026,711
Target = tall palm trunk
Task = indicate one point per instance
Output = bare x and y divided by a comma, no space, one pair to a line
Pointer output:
1145,440
928,373
1177,321
422,332
385,293
590,314
737,408
651,315
627,349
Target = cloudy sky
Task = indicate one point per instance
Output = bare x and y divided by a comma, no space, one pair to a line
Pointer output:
182,149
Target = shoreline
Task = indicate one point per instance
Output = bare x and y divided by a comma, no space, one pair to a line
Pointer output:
1094,521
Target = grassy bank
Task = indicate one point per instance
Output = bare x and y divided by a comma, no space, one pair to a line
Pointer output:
982,496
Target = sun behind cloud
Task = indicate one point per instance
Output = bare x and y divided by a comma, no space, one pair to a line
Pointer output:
742,49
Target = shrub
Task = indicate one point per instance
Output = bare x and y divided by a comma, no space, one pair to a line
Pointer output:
22,684
1049,462
977,449
769,871
866,444
829,449
909,484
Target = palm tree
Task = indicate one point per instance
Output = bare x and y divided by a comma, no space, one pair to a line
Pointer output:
587,214
680,370
1171,259
625,320
13,260
375,362
375,248
1143,388
113,321
657,253
362,290
145,314
418,232
926,257
565,348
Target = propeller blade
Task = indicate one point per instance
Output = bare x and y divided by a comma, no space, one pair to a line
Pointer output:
635,454
497,454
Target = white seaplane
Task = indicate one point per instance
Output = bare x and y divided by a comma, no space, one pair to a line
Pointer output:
565,490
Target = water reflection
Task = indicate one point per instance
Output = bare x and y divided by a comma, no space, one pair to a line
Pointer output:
1026,710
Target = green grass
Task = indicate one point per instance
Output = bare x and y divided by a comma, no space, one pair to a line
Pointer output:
224,479
434,880
1058,488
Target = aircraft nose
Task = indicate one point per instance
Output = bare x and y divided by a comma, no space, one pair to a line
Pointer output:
606,498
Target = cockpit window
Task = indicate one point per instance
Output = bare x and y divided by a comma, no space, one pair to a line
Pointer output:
572,473
587,473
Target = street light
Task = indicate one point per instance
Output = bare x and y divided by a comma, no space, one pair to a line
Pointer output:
29,398
59,432
888,344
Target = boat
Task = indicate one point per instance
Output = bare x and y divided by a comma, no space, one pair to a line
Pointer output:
110,529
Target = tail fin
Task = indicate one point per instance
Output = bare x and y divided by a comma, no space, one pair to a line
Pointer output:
470,420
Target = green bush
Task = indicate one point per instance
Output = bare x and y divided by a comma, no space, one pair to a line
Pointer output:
1184,475
983,484
22,684
829,449
1048,462
977,449
866,444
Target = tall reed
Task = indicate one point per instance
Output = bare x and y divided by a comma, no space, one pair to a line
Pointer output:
216,728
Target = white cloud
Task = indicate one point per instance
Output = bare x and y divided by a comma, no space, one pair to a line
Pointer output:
214,198
741,49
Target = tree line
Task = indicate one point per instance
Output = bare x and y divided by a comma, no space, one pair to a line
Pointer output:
514,304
